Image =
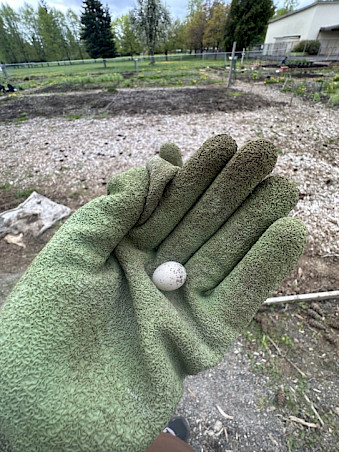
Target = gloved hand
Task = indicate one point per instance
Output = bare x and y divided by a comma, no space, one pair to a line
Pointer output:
92,354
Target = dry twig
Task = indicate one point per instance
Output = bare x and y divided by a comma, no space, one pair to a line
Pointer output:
303,422
222,412
285,357
314,410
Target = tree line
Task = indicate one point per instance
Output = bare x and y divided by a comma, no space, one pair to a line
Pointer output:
47,34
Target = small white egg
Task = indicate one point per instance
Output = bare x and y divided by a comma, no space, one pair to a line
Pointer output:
169,276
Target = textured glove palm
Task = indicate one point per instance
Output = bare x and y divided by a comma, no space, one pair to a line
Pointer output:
92,354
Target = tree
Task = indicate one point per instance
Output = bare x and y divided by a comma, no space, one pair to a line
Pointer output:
6,50
42,34
196,25
128,43
17,51
150,19
30,27
289,5
73,26
50,32
215,27
96,30
247,22
175,37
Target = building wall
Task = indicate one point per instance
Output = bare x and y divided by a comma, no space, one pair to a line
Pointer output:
292,25
305,23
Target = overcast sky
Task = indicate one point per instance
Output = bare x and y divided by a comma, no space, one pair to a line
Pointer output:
177,8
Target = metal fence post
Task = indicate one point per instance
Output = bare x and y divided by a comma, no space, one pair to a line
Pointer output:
136,65
4,70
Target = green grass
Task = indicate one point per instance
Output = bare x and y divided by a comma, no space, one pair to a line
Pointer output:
176,71
5,187
23,193
71,117
21,118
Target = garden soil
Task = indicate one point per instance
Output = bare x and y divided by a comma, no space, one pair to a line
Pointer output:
276,389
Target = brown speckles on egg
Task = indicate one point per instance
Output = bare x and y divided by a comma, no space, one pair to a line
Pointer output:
169,276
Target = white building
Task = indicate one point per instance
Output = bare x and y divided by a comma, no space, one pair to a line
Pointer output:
318,21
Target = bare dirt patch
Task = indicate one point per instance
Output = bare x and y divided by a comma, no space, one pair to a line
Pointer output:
131,102
71,161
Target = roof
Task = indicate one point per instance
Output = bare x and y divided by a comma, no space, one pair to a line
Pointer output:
330,28
312,5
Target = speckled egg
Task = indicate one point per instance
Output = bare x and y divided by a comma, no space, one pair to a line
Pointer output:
169,276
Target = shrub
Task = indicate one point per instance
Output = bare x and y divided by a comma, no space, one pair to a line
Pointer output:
310,47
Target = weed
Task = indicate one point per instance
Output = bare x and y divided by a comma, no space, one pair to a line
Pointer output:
21,118
263,402
287,89
286,340
23,193
334,100
4,187
70,117
74,194
301,88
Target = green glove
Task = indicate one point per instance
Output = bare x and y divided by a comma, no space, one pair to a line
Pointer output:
92,354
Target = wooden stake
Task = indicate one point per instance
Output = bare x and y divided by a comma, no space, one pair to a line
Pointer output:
231,65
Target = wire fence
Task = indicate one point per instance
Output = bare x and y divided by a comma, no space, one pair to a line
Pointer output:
268,52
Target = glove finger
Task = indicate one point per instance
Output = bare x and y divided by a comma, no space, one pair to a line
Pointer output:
161,172
88,238
274,198
184,190
234,302
240,176
171,152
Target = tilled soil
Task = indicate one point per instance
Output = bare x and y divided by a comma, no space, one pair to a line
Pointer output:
289,354
131,102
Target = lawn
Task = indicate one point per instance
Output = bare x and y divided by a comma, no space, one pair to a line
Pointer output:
173,70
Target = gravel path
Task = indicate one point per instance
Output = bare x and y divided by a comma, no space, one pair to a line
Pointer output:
77,157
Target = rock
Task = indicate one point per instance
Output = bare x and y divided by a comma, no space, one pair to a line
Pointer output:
217,426
15,239
35,215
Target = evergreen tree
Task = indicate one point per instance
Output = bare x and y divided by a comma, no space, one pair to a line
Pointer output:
96,30
247,22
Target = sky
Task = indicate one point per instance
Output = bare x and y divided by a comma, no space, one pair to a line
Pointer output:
177,8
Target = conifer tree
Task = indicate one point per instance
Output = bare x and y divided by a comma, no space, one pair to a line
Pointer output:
96,30
247,22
